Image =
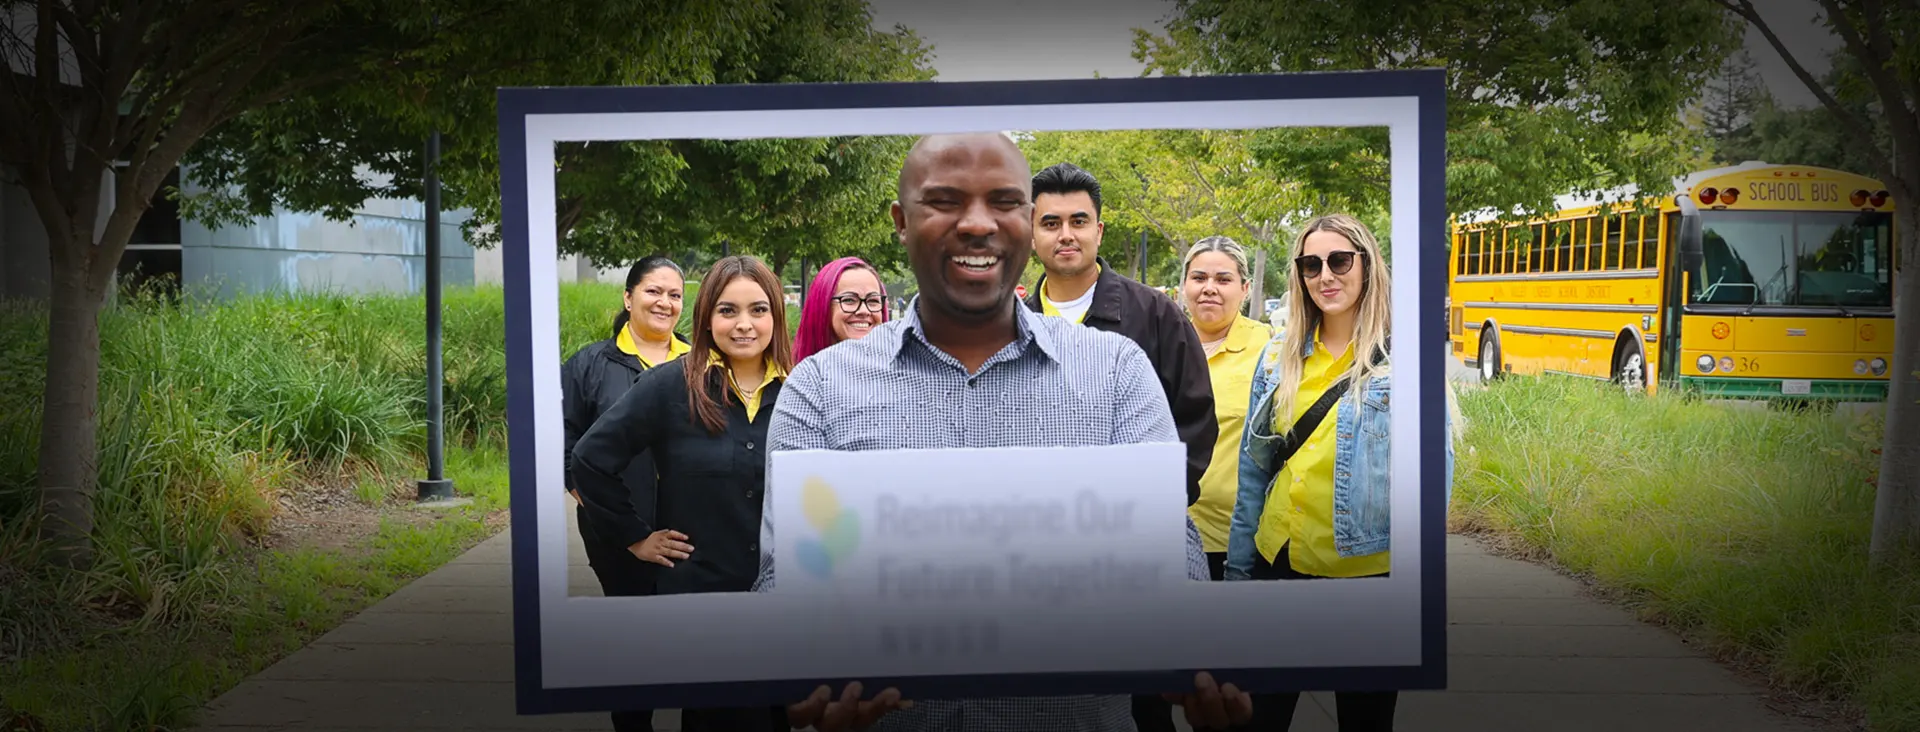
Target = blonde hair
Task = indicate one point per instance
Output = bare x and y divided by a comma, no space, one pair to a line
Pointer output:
1373,319
1222,244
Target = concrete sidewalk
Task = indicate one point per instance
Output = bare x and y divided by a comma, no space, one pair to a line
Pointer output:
1527,652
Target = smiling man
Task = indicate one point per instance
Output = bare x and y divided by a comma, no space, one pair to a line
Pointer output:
940,377
1081,287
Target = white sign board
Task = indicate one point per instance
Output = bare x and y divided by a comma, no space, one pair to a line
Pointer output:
984,560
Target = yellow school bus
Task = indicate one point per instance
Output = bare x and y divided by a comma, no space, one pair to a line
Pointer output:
1755,281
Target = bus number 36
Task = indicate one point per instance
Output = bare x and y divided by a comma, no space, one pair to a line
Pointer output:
1749,364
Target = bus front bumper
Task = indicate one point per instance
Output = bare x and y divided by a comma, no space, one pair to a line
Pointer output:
1848,390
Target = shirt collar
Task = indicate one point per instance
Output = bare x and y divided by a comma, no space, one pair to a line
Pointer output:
1245,333
626,344
1026,324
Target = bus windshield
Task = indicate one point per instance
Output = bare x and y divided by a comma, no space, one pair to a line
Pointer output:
1782,258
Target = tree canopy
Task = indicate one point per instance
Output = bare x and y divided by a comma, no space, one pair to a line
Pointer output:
617,200
1544,97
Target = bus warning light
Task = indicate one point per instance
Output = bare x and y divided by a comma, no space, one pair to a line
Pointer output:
1859,198
1707,196
1721,331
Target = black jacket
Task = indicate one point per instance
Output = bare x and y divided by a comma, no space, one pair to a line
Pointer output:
590,382
1151,319
709,485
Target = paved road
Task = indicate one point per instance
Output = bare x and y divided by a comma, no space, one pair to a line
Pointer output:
1527,651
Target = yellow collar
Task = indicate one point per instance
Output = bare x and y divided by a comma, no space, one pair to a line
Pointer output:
675,347
1245,333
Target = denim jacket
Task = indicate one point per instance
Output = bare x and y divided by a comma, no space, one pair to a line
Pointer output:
1361,466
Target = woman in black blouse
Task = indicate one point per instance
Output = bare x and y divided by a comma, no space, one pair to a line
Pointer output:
703,420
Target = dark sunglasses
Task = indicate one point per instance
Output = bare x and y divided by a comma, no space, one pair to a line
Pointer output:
851,304
1340,262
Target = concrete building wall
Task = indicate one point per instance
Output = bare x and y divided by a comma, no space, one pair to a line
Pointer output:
382,248
490,269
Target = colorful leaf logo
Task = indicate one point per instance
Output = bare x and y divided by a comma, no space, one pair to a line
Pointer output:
838,527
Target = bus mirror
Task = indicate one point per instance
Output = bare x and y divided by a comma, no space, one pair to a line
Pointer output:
1691,255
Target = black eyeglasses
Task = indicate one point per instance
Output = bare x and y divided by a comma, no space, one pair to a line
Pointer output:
850,304
1341,262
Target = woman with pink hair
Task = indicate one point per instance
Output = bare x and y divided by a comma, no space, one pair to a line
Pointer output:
845,302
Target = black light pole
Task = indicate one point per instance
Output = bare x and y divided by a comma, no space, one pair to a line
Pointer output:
436,487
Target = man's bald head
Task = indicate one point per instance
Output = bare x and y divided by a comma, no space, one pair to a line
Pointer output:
965,217
954,148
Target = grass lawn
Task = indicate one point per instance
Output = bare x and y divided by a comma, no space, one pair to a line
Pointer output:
1745,528
257,462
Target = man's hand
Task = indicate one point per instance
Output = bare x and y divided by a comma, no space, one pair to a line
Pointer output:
1213,707
576,498
826,714
662,547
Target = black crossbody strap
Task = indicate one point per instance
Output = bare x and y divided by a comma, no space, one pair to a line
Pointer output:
1290,442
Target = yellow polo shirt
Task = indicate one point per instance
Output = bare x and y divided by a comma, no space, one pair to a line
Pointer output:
752,402
675,347
1231,369
1305,518
1047,308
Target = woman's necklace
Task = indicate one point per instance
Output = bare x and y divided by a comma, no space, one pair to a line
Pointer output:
744,391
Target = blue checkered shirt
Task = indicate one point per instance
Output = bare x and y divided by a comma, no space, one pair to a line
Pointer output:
1057,384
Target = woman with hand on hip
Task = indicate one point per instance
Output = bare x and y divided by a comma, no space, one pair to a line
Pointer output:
596,376
590,382
1213,291
1321,396
703,420
845,302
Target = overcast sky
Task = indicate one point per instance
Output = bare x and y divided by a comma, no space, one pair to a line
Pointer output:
988,40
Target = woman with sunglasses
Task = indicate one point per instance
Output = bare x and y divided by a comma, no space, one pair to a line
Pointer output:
1321,397
845,302
703,420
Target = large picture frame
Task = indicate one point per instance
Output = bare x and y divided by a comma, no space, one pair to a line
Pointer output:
1373,634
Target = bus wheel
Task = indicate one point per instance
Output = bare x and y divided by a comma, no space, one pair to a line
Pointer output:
1630,369
1489,356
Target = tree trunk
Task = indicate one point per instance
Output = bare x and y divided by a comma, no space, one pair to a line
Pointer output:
1896,510
68,449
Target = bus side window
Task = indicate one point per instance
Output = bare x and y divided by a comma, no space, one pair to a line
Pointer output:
1534,250
1497,254
1610,258
1597,249
1650,246
1583,235
1534,234
1630,245
1562,238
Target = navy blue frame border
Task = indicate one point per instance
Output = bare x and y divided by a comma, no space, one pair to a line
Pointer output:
516,104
